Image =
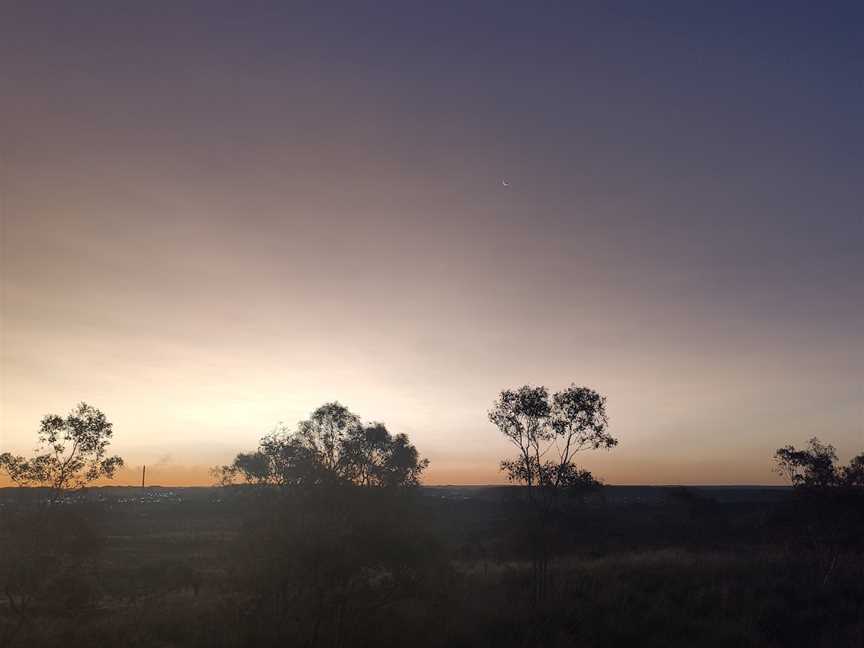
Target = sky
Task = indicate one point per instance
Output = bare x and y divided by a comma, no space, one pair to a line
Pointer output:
217,216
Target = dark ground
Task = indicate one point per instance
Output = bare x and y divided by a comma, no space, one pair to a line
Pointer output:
447,566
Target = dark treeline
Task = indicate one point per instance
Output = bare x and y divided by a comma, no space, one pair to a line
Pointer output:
324,536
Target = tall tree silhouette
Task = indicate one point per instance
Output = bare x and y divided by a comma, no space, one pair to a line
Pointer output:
548,434
46,550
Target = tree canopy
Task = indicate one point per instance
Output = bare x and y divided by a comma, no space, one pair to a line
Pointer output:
72,452
816,467
332,446
548,433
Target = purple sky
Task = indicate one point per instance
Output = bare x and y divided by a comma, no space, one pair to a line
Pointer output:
219,216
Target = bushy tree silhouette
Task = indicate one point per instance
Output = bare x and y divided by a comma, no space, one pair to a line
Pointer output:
828,518
331,447
344,534
816,467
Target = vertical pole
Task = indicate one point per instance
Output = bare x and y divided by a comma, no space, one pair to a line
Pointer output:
143,474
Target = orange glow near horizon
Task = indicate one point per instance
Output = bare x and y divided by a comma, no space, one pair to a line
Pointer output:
612,470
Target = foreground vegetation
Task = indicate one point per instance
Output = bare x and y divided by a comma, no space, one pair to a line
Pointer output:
438,567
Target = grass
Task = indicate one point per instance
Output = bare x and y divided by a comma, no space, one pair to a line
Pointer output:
196,574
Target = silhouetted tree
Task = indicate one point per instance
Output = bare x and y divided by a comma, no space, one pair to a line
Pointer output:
331,447
344,534
371,456
829,512
325,432
282,459
547,435
815,467
72,452
812,467
46,550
